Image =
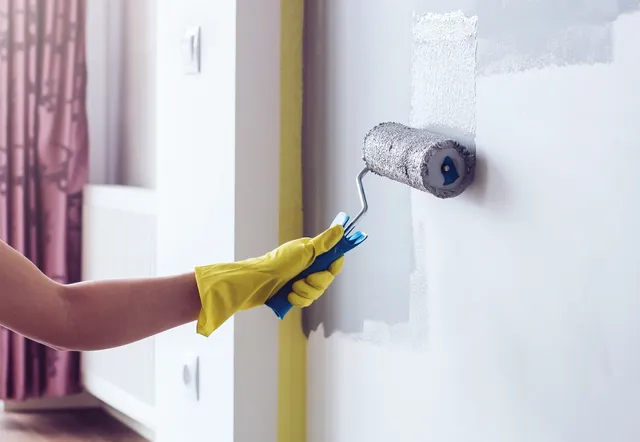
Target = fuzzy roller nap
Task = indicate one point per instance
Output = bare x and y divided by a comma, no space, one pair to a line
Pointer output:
416,157
419,158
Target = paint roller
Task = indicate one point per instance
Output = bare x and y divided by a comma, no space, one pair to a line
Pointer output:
419,158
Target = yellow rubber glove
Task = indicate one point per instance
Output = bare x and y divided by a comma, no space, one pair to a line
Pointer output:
227,288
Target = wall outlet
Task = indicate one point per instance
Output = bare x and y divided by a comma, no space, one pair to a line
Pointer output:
191,376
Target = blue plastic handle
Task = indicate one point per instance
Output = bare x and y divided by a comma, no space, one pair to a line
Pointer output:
279,302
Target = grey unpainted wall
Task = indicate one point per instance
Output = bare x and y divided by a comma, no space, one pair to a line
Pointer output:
358,74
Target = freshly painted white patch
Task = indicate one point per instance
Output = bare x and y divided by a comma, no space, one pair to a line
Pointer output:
517,36
443,98
444,72
584,43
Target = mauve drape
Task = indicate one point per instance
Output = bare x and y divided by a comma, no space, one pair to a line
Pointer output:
43,167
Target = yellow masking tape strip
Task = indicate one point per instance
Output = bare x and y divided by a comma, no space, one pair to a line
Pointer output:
292,361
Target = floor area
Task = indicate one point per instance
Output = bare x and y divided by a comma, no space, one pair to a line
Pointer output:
93,425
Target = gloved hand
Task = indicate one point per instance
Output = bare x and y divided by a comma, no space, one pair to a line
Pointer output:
227,288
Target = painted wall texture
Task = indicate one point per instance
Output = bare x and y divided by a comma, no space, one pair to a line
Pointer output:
509,313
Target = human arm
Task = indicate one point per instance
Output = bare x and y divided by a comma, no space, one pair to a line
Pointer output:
90,315
104,314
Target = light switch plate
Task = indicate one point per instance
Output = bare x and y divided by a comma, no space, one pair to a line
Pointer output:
191,376
191,42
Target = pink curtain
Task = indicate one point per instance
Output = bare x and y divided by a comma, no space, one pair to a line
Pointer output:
43,167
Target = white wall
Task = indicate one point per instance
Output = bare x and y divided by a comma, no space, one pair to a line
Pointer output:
209,145
121,41
138,159
195,166
509,313
217,173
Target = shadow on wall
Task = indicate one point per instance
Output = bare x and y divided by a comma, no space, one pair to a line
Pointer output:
340,107
353,81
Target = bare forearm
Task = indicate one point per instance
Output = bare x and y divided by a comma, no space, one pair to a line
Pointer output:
90,315
108,314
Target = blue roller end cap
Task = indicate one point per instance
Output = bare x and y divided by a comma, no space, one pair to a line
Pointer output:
449,171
